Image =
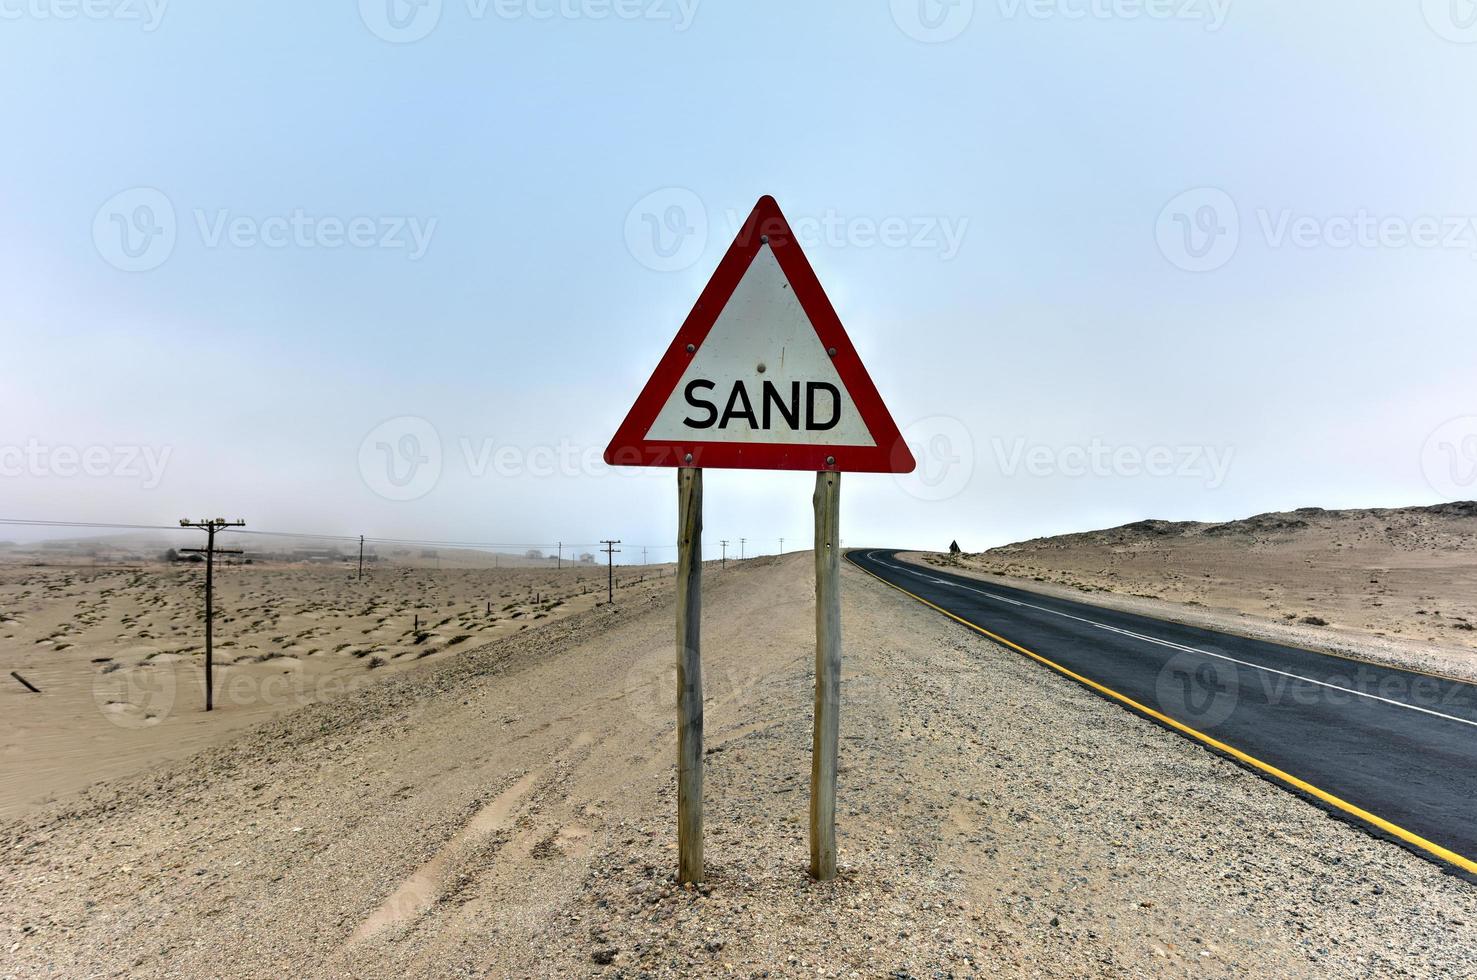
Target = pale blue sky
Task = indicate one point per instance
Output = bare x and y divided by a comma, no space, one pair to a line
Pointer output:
1061,316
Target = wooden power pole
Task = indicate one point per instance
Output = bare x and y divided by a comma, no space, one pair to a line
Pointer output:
723,559
361,557
210,527
610,552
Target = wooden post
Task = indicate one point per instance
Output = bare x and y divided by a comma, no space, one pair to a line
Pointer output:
689,676
827,676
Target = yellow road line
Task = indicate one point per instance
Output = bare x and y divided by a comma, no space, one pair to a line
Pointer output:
1394,830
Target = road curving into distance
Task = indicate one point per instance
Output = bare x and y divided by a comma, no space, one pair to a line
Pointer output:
1392,750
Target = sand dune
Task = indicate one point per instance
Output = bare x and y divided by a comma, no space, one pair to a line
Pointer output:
121,649
1398,584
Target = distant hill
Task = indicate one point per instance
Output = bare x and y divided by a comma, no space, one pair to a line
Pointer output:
1408,573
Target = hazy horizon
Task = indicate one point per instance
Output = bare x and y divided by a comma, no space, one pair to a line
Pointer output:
400,270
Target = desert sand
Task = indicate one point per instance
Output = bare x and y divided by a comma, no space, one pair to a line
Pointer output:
118,649
1392,585
508,810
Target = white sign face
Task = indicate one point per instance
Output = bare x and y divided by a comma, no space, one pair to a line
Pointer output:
761,375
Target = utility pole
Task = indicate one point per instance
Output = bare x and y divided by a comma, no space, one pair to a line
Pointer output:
559,556
610,552
723,561
210,527
643,557
361,557
782,546
741,548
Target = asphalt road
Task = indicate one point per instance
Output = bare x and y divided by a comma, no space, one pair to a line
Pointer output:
1393,750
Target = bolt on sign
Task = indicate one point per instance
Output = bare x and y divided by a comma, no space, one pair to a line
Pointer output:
760,376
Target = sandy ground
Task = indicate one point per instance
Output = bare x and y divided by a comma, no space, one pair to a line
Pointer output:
509,812
1396,585
121,650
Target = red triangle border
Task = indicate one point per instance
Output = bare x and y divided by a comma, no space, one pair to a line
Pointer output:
629,447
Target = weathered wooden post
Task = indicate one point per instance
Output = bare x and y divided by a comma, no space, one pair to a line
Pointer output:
689,675
827,676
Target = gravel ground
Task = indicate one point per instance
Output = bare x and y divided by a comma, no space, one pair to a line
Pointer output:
510,813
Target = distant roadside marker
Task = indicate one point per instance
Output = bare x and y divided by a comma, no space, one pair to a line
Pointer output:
761,376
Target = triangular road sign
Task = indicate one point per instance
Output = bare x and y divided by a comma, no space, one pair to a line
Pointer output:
762,375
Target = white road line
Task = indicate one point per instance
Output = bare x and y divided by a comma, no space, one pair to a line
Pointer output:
1166,643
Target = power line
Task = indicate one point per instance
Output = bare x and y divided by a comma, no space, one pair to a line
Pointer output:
323,536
